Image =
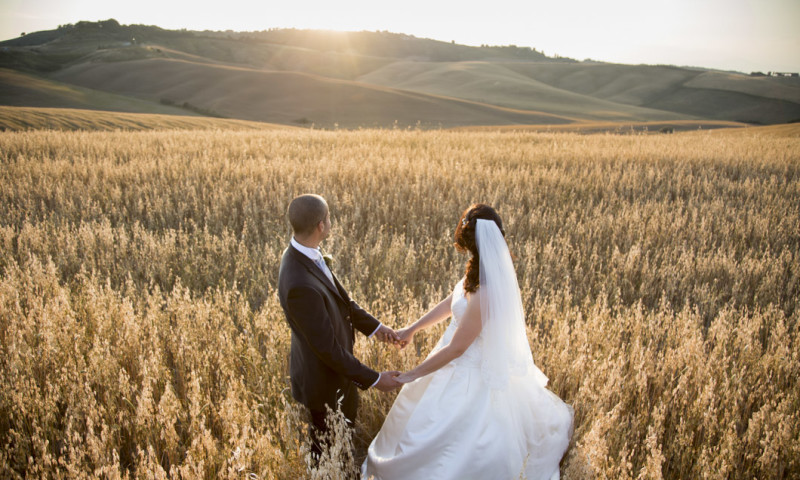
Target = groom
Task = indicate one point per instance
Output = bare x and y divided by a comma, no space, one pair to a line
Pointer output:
323,321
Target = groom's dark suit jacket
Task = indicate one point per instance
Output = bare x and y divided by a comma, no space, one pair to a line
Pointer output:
322,319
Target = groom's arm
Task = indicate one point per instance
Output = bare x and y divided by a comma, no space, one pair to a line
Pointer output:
307,311
372,328
363,321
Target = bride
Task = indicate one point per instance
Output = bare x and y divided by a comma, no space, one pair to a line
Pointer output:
477,407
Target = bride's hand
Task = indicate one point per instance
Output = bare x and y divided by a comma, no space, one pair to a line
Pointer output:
404,378
405,336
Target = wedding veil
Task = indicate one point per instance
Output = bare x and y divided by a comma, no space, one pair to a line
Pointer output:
506,352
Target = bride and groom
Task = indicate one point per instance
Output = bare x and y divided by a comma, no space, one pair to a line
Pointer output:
475,408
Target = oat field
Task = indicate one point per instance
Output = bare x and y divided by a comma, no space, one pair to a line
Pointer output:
141,337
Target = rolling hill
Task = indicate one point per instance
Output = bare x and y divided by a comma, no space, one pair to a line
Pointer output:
365,79
703,94
23,89
288,97
497,84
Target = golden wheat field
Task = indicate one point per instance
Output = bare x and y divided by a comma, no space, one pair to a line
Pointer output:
141,337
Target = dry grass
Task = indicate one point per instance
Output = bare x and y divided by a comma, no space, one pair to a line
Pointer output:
622,127
141,336
31,118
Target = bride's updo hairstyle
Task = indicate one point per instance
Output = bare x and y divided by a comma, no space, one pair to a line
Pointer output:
465,240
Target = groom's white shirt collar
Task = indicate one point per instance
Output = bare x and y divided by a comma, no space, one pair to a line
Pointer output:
314,254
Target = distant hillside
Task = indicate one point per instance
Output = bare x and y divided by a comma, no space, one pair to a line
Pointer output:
393,45
499,84
364,79
710,95
24,89
26,118
285,49
289,97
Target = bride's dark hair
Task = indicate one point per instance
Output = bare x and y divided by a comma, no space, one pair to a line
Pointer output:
465,240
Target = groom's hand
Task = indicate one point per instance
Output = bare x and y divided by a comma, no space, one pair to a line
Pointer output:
386,334
388,381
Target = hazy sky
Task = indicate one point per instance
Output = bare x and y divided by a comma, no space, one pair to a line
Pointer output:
742,35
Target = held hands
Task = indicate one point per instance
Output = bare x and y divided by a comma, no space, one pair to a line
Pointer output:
386,334
404,337
400,338
388,381
392,379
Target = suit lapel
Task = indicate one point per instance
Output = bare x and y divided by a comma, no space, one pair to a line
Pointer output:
315,270
342,291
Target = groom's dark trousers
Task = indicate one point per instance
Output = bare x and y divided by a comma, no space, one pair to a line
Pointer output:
323,321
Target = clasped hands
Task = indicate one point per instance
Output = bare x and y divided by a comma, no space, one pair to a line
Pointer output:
399,338
393,379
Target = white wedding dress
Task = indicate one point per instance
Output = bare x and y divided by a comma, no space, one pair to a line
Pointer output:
451,425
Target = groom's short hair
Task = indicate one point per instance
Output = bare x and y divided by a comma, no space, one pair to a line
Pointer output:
305,212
